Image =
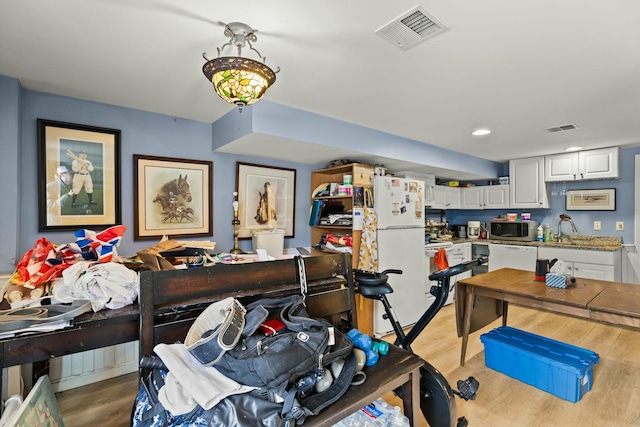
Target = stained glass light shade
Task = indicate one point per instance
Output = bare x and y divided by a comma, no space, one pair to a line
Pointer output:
237,80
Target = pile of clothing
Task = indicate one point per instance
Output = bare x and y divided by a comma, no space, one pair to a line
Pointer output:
78,270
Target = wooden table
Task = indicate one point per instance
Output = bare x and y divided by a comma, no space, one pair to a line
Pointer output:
611,302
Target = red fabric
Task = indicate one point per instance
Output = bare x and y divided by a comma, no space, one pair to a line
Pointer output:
441,260
45,261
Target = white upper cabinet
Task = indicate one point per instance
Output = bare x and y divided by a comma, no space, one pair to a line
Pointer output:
591,164
472,198
446,197
496,197
485,197
527,188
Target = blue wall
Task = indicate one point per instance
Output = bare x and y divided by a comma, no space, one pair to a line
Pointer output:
10,184
142,133
583,220
154,134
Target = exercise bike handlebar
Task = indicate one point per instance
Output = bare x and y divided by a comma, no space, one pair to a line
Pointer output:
392,270
457,269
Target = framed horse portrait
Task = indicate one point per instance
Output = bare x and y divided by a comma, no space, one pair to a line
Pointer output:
172,197
78,176
266,199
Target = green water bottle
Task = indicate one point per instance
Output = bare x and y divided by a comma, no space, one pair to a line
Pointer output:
547,234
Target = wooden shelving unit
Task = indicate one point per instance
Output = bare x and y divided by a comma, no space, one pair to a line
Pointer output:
362,177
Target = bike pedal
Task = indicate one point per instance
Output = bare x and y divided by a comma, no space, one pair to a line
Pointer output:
462,422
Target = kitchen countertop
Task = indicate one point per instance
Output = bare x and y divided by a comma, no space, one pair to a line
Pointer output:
569,241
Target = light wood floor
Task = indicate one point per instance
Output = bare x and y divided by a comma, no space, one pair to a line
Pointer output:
501,401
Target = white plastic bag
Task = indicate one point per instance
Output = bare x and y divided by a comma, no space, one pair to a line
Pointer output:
106,285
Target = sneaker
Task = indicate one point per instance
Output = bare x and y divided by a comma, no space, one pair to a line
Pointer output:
92,203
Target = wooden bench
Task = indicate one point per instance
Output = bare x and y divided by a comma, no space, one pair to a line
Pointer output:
171,300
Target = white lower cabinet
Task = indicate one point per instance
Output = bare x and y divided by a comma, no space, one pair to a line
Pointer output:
593,271
587,264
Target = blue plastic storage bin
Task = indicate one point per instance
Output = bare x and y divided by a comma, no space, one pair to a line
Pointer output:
553,366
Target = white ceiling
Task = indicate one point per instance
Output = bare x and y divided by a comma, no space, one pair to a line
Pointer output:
517,67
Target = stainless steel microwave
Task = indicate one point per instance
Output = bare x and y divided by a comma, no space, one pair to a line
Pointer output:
523,231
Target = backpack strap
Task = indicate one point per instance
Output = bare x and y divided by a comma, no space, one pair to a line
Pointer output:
312,405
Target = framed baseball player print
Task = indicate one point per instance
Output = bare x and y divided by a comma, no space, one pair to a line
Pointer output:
78,176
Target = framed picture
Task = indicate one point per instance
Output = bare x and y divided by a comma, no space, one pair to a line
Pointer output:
172,197
266,198
78,176
591,200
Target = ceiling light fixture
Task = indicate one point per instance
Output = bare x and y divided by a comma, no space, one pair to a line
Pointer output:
575,148
480,132
238,80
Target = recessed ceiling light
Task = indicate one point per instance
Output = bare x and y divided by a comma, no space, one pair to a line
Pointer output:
576,148
480,132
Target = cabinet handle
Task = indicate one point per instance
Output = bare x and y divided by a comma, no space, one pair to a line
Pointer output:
581,176
574,176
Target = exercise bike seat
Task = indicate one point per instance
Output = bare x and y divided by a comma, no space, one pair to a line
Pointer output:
373,291
371,284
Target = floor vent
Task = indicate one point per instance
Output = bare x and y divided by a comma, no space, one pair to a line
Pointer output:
412,28
562,128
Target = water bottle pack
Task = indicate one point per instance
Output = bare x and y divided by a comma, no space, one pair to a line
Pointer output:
376,414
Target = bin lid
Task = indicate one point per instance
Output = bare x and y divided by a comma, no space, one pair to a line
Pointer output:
270,231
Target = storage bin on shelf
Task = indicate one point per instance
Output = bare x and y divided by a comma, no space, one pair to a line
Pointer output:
270,240
552,366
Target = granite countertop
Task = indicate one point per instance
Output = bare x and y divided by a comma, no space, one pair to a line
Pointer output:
569,241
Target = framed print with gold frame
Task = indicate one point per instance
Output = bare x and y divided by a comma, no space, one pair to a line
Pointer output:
172,197
78,176
266,198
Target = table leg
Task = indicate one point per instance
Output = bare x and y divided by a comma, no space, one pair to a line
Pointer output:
505,310
411,398
466,327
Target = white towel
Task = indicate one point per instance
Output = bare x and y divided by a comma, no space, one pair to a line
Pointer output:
174,398
204,384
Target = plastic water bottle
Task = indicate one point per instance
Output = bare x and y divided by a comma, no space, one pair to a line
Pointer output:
396,418
372,415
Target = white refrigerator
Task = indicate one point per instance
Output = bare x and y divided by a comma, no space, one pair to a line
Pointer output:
399,207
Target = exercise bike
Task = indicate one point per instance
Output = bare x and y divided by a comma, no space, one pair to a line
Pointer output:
437,401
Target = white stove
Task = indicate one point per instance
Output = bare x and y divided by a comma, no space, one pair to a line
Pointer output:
431,249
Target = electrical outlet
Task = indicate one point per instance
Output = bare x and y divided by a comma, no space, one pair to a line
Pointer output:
597,225
619,226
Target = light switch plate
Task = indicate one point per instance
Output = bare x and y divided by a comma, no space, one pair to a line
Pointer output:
619,226
597,225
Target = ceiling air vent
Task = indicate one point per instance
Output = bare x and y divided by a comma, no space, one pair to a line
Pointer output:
411,28
562,128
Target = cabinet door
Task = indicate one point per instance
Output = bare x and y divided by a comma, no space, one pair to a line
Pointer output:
429,194
561,167
472,198
439,197
593,271
527,188
446,197
454,196
496,197
599,164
